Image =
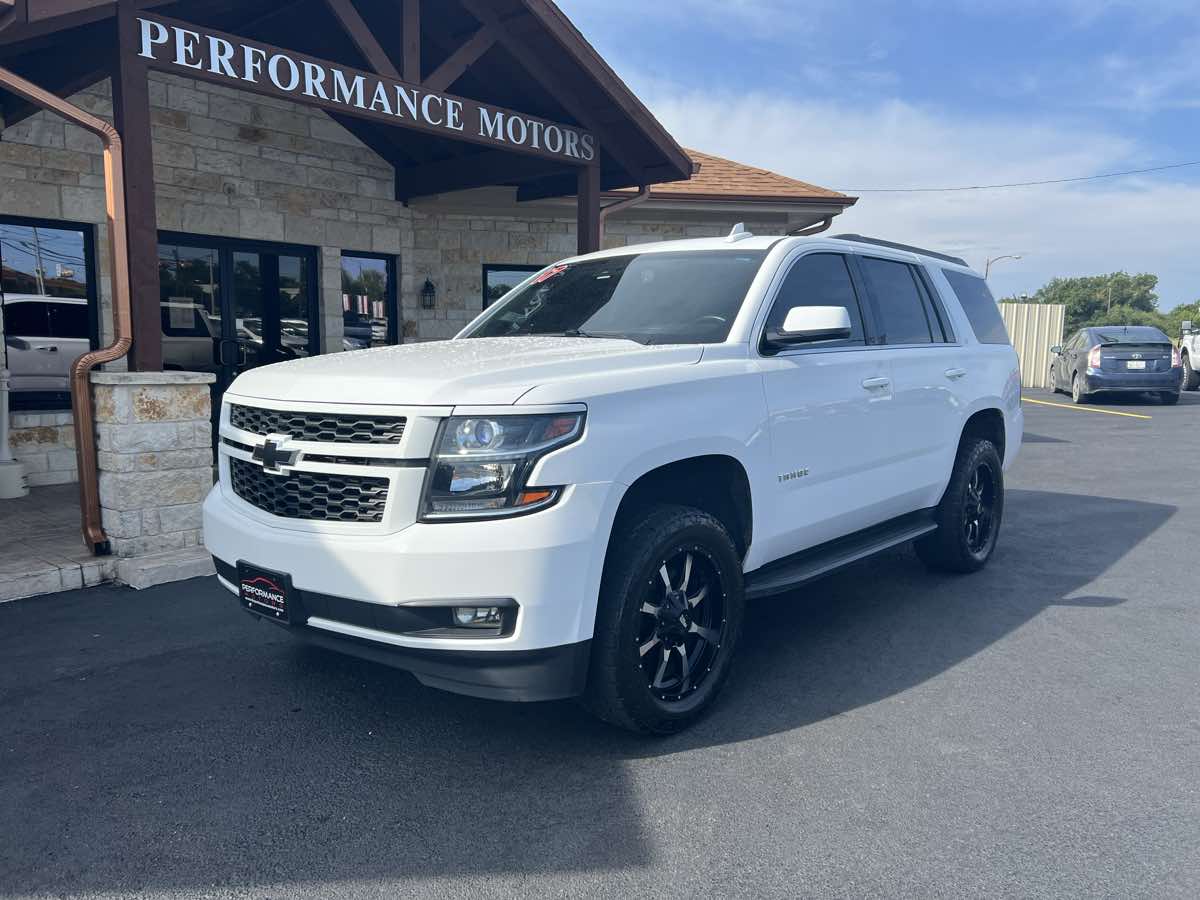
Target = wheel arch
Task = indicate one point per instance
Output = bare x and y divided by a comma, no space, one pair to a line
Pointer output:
716,483
988,423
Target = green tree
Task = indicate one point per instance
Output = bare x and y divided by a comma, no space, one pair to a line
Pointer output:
1094,299
1180,314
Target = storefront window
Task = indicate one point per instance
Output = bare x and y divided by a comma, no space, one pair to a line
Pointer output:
45,260
499,279
369,309
47,291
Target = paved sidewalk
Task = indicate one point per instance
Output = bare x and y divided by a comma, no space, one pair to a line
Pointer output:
41,549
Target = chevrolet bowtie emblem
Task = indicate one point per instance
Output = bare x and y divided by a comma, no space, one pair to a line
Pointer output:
272,456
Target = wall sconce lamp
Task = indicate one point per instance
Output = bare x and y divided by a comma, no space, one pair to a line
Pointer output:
428,295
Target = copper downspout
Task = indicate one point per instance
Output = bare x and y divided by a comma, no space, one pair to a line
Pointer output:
640,197
81,394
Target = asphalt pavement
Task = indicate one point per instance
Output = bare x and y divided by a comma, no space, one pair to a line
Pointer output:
1030,731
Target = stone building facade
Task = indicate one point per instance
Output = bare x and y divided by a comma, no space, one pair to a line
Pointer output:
233,164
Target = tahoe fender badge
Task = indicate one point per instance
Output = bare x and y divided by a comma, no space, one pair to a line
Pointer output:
792,476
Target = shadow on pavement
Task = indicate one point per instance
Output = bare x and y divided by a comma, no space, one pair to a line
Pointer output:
170,743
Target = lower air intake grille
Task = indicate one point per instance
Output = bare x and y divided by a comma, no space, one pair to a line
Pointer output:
311,495
331,428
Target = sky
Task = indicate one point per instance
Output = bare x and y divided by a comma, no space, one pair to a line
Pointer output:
867,94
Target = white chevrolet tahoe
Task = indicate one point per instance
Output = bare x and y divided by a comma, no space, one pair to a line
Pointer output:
577,495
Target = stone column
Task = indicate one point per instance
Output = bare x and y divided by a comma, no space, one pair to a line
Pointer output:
332,324
155,459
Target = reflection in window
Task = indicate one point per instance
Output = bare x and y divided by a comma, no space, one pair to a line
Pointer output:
293,305
368,304
190,295
498,280
49,262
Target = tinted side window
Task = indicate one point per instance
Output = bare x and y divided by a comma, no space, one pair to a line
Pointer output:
26,320
820,279
69,320
900,306
979,305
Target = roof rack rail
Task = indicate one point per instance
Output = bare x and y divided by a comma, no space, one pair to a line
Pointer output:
958,261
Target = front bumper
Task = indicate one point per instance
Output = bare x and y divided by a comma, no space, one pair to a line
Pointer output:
1096,382
547,673
549,563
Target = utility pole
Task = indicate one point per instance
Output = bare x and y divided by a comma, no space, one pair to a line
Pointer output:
38,271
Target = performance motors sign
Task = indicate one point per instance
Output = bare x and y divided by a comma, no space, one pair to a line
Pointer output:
237,62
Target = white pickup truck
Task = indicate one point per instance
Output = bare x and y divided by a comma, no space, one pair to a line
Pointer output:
1189,353
577,495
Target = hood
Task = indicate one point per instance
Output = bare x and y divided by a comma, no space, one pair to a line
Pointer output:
448,373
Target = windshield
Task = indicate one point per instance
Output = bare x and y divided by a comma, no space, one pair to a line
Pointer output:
653,298
1134,334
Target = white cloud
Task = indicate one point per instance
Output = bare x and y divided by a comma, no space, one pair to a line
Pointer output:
1137,224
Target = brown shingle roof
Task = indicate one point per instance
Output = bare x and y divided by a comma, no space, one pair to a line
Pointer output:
723,179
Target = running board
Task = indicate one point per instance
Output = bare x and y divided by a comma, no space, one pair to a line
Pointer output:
792,571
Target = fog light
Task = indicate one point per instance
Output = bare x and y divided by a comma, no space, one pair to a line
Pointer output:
477,616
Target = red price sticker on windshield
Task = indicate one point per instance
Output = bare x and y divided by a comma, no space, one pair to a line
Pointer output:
550,273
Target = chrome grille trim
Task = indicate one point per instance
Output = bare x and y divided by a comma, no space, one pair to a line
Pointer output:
322,427
312,496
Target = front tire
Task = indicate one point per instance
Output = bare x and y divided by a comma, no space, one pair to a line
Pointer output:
969,514
668,623
1191,378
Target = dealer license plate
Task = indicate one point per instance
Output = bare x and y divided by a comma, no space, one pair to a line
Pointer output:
264,592
1136,364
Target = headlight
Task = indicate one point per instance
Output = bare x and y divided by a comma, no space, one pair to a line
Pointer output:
481,464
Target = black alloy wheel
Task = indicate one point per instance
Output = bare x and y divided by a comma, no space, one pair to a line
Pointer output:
969,514
682,623
668,619
979,507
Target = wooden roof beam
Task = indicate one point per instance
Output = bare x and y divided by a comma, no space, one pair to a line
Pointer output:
411,35
358,32
552,83
461,59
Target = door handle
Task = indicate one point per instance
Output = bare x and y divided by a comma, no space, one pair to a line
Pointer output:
871,384
952,374
47,349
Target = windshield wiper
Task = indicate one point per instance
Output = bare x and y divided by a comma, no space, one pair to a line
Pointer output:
605,335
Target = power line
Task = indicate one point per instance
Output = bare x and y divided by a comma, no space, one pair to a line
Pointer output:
1016,184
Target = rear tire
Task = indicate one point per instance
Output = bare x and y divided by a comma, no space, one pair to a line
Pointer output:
1191,378
1169,398
1078,394
663,645
969,514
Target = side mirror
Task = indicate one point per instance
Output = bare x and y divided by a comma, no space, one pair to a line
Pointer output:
1056,349
1187,326
809,324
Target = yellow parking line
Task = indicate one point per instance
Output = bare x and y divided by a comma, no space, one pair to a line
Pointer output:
1108,412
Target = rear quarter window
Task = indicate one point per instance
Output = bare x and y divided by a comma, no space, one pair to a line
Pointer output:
977,302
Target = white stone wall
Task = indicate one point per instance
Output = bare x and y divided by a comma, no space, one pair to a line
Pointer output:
45,444
154,442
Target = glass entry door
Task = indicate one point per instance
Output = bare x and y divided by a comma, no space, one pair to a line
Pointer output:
228,306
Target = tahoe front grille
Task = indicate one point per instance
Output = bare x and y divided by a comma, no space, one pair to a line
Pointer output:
330,428
317,496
